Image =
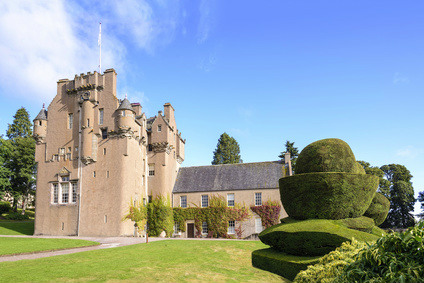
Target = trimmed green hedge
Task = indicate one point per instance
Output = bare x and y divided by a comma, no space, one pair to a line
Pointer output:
364,224
327,195
311,237
327,155
280,263
378,209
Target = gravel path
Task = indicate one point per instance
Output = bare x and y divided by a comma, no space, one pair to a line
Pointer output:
105,243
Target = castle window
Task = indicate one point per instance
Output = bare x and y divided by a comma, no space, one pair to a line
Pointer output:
68,156
76,148
204,227
123,113
151,169
62,151
205,201
74,192
258,199
39,122
150,147
104,133
183,201
56,157
70,120
88,123
107,174
104,151
177,228
101,112
55,193
65,192
65,178
230,199
159,128
94,174
231,227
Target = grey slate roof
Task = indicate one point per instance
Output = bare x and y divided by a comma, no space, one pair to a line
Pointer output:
125,105
42,115
229,177
150,122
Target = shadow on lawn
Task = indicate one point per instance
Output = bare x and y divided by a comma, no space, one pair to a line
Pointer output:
9,227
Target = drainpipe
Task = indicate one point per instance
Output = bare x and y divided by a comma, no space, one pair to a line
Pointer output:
79,171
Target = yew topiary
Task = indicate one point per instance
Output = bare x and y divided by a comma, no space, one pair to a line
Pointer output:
327,195
328,155
378,209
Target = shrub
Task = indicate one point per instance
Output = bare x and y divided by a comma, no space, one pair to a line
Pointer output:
16,216
269,212
4,207
327,155
327,195
331,265
311,237
160,217
396,257
379,208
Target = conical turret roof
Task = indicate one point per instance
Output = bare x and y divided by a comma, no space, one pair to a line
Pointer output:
125,105
42,115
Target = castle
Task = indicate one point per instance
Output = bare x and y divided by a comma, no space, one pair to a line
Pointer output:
97,154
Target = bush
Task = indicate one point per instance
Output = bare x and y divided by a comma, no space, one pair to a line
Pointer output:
379,208
311,237
396,257
327,155
5,207
331,265
327,195
16,216
160,217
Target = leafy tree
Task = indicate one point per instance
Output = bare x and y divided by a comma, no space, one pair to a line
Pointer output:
20,160
4,170
401,196
294,153
421,200
227,151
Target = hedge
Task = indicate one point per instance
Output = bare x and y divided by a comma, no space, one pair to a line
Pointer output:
311,237
5,207
327,195
378,209
328,155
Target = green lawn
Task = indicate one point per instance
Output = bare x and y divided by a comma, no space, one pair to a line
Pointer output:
165,261
8,227
14,245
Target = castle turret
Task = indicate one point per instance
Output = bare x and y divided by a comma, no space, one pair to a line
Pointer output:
125,115
87,123
40,125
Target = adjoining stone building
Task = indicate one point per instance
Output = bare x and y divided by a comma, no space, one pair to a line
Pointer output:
97,154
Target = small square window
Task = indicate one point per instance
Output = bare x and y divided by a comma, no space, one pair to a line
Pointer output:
62,151
183,201
205,201
56,157
151,169
231,227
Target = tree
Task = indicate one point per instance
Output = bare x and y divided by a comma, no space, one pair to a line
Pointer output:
421,200
227,151
294,153
401,196
384,185
4,170
20,160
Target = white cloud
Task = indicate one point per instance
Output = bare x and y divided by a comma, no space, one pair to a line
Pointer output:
46,40
398,78
409,152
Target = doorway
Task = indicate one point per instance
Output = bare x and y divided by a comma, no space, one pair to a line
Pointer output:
190,230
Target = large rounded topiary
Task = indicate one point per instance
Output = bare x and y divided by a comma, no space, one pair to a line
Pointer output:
328,155
378,209
327,195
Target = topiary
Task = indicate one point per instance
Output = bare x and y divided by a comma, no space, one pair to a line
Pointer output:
378,209
327,155
16,216
5,207
327,195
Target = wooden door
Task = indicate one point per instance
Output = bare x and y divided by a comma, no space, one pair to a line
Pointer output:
190,230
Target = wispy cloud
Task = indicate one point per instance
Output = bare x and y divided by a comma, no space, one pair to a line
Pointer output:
206,20
45,40
399,78
409,152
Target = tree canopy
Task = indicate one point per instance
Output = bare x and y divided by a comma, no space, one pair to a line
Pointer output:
421,200
21,126
227,151
294,153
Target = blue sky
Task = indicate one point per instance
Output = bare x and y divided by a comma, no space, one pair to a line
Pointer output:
262,71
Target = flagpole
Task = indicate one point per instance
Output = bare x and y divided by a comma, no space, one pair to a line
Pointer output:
100,47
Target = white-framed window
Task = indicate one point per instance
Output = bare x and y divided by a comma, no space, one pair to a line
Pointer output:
65,178
230,199
177,228
101,113
65,192
258,199
68,156
74,192
204,227
258,225
159,128
56,157
69,149
231,227
70,120
151,169
55,193
62,151
205,201
183,201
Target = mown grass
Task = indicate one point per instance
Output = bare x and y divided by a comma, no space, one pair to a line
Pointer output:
9,246
162,261
9,227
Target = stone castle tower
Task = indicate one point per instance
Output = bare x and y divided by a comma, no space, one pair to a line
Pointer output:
97,154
